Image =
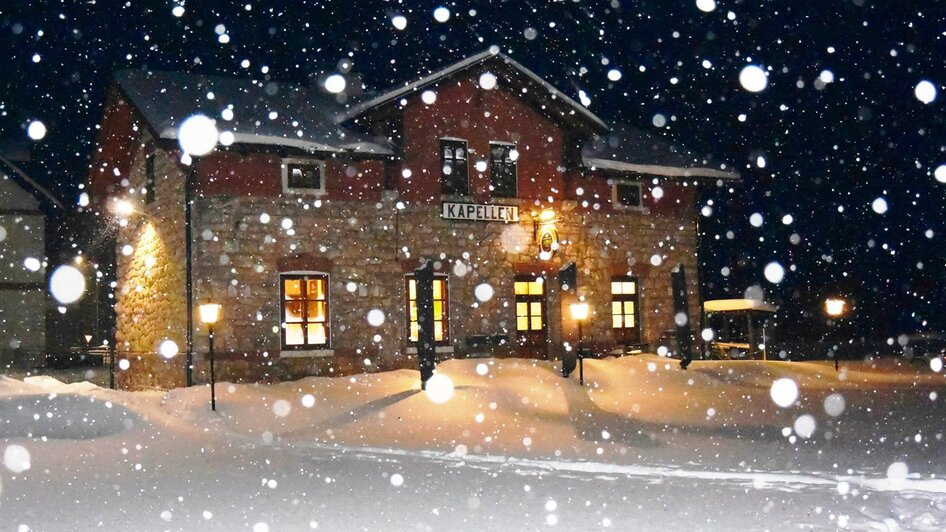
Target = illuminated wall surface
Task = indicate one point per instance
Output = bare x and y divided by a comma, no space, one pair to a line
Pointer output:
150,296
361,244
22,276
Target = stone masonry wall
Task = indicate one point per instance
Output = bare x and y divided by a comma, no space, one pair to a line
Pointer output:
150,293
370,246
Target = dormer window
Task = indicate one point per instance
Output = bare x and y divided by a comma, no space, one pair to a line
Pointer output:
303,176
454,167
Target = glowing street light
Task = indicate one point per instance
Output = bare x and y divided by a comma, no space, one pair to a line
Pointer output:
209,314
834,307
580,314
123,207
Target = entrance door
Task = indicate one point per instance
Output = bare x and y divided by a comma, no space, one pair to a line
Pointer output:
625,310
532,329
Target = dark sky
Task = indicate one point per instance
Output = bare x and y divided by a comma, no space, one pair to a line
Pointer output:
830,149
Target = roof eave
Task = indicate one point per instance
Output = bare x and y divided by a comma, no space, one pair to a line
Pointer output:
660,170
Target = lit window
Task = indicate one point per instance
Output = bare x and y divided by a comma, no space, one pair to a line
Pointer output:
441,310
305,317
301,176
624,307
530,303
454,167
627,195
502,160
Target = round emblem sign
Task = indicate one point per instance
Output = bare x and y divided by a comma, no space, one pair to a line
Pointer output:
548,242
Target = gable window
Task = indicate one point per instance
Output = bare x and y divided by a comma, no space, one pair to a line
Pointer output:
441,311
454,167
304,310
149,178
624,308
301,176
627,195
502,162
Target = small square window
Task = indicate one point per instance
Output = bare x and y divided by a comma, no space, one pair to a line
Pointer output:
303,177
628,195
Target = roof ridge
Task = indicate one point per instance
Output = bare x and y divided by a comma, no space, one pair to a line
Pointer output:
459,66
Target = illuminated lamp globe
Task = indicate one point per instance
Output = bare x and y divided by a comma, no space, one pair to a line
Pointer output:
579,311
834,306
209,313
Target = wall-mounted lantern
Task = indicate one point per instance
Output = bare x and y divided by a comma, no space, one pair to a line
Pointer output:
545,233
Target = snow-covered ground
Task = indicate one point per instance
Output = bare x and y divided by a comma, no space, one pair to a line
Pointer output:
644,445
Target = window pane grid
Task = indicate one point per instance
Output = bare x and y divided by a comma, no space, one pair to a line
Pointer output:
504,171
305,311
441,311
530,307
624,303
454,177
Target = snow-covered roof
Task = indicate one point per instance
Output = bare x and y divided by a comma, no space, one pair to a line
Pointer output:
265,113
487,55
735,305
12,154
628,149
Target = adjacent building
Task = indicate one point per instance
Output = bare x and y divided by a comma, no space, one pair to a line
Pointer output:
314,210
22,262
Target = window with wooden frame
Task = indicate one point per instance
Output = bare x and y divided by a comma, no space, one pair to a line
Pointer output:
625,304
503,159
303,176
454,167
441,310
530,303
627,195
304,302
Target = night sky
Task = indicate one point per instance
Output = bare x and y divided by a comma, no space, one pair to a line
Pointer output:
829,149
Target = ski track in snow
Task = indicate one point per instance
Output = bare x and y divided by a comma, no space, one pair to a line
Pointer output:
787,481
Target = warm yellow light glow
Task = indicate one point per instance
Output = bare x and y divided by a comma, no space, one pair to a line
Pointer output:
834,306
547,215
209,313
123,207
579,311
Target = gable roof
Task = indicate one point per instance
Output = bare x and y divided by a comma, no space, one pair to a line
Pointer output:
12,153
569,106
628,149
265,113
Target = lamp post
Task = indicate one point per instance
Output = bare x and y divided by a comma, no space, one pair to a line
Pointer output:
209,314
834,307
197,137
580,314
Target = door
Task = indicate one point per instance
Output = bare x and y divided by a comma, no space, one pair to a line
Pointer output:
532,330
625,310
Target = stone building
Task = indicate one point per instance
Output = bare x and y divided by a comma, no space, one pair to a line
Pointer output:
313,211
